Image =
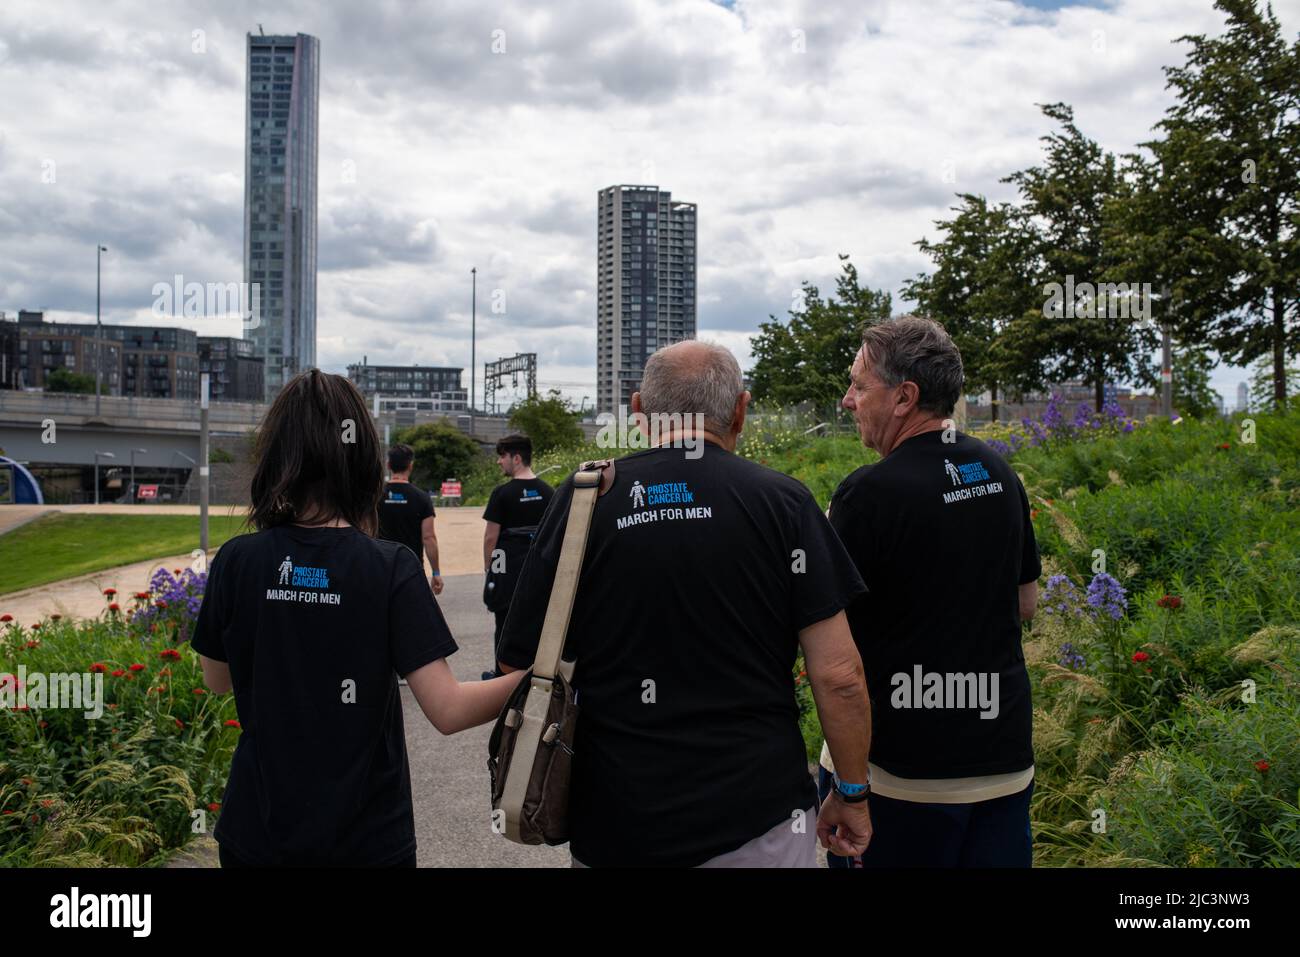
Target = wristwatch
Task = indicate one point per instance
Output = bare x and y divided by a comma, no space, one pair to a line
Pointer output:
851,793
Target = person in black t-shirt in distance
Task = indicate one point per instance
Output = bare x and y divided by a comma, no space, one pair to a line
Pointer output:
406,513
513,513
940,530
694,599
309,620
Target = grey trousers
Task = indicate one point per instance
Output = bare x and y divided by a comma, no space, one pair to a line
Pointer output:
791,843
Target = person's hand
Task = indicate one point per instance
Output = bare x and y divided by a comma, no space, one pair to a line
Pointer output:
844,829
436,582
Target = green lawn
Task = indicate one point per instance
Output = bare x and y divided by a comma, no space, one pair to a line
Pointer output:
59,546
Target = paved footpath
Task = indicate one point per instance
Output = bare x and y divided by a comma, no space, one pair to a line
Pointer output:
460,552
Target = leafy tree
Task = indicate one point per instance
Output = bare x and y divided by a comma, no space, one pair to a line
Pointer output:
1192,395
808,358
1066,198
551,423
1263,393
65,380
980,286
1225,191
442,451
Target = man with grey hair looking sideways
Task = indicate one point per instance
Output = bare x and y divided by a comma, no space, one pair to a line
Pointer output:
939,529
694,599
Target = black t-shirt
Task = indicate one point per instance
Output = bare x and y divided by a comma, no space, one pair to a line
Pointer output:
518,507
316,624
519,503
402,513
698,575
941,534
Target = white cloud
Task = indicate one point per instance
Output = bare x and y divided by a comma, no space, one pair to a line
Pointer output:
803,129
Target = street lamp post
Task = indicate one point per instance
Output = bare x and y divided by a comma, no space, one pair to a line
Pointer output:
99,336
133,451
98,456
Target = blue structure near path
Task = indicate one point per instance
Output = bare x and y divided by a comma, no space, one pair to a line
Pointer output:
17,485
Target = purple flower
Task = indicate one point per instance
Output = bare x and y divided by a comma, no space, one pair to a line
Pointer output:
1053,420
1061,597
1081,416
1000,447
1107,596
1071,658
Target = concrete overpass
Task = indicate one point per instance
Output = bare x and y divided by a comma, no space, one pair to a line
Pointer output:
58,429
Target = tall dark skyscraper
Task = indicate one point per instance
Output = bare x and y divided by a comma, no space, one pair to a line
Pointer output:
645,285
280,201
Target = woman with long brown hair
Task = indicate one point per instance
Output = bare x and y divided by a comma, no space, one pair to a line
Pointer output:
310,620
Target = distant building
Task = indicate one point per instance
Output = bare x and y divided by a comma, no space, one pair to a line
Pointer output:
236,370
281,121
159,362
9,340
45,347
1243,397
400,386
645,284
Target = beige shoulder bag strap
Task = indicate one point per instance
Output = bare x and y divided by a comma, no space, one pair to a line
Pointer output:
588,482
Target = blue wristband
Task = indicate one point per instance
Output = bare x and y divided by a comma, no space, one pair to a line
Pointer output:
849,790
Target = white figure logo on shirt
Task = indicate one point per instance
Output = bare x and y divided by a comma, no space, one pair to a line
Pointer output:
638,494
952,472
286,567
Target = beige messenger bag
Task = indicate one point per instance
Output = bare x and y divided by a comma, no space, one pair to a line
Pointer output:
531,749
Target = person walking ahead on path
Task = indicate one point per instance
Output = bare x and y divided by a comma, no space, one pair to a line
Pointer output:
406,513
690,611
320,774
939,529
510,521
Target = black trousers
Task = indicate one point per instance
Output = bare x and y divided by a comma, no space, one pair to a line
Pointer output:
230,860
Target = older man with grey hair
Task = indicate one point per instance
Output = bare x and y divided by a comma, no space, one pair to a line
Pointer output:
703,577
939,530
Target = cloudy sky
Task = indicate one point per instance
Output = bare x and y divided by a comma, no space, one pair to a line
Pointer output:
802,128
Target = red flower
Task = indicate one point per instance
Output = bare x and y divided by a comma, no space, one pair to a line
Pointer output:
114,606
28,781
1262,766
199,691
1171,602
55,617
112,706
179,723
142,595
171,653
32,644
232,723
44,724
118,672
160,603
137,667
214,806
1033,513
98,669
1225,446
110,592
7,812
1140,656
36,626
6,618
